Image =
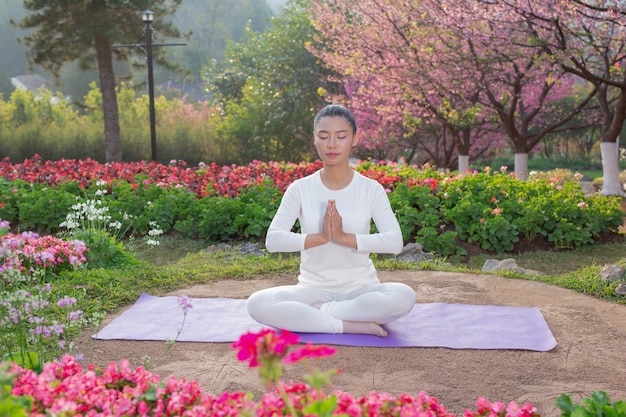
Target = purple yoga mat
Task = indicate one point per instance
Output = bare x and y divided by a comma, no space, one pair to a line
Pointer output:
456,326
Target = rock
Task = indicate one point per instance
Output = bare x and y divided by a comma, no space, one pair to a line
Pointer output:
248,248
509,264
611,273
220,247
621,289
414,252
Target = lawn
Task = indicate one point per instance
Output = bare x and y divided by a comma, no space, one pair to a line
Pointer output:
576,269
173,250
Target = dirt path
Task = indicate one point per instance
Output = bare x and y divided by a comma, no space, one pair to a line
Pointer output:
590,356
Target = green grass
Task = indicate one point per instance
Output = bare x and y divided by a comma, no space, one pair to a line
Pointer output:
560,262
596,173
178,264
576,269
193,256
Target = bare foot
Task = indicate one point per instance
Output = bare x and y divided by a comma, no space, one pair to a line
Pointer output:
359,327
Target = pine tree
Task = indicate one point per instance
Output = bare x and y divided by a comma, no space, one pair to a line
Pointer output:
85,31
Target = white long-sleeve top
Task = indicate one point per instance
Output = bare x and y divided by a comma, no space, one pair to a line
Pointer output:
331,266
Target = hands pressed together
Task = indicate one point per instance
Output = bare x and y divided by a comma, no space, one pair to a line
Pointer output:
332,230
332,227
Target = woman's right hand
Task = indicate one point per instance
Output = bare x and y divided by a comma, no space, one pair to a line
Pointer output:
327,221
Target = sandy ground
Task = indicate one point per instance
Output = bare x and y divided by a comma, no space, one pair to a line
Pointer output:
590,356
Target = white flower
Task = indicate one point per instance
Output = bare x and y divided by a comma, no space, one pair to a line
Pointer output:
116,225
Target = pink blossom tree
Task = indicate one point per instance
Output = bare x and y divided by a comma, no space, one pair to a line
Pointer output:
587,39
409,99
463,64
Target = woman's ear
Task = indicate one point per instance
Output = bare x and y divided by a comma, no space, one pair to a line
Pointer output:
355,139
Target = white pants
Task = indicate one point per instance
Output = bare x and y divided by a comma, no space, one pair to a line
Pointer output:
290,306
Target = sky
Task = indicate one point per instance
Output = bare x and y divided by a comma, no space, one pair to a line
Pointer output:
276,4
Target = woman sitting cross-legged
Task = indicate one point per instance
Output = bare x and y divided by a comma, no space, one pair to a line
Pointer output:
338,289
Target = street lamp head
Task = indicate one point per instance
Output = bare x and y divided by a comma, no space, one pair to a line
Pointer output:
147,16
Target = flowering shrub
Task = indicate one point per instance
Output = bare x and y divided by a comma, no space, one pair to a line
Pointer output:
558,174
27,252
220,203
64,387
493,209
36,325
91,221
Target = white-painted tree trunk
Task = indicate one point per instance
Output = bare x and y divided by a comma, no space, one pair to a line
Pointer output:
521,166
611,184
463,163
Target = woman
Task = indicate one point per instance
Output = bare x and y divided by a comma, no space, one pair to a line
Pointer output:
338,289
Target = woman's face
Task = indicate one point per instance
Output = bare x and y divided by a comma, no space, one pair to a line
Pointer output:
334,139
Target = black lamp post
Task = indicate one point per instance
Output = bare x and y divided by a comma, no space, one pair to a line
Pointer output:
148,17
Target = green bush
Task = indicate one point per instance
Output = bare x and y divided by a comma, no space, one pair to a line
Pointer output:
54,129
220,218
418,213
494,209
491,210
42,208
597,405
104,250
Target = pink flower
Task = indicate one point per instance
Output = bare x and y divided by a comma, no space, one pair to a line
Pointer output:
65,387
184,302
513,410
496,211
266,341
309,351
497,407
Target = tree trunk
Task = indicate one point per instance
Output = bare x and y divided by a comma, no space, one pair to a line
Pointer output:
612,126
109,101
521,166
463,163
611,184
463,140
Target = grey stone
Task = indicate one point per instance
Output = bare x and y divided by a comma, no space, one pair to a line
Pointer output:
621,289
611,273
509,264
414,252
250,249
